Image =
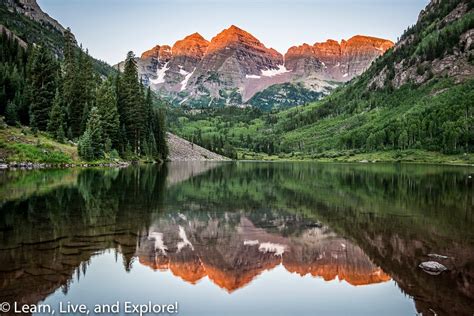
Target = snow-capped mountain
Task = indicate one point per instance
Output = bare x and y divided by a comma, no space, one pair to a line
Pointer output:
234,66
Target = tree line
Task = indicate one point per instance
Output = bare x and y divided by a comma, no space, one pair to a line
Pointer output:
108,117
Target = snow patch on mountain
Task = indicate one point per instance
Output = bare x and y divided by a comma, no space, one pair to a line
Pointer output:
160,74
275,72
184,83
250,242
252,77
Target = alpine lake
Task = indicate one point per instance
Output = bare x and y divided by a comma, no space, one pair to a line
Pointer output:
238,238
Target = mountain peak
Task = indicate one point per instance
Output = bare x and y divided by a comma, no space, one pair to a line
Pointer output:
364,40
235,37
235,28
195,36
235,32
193,45
162,52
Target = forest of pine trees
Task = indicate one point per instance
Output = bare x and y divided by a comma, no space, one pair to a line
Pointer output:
67,98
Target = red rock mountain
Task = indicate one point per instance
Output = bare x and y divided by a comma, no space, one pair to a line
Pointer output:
159,52
234,66
337,61
193,46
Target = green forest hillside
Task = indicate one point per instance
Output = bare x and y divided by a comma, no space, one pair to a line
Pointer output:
415,101
55,93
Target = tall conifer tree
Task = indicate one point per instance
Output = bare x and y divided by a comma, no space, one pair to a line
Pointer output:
43,81
106,101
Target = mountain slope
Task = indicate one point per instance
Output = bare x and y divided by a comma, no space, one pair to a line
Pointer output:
25,19
419,95
415,103
234,66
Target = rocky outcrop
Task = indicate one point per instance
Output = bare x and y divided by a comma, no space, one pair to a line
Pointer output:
9,33
234,66
419,66
232,57
31,9
163,53
183,150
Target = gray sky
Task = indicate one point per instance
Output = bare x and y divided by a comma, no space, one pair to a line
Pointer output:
110,28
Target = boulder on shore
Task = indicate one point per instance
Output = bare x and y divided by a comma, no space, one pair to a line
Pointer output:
432,267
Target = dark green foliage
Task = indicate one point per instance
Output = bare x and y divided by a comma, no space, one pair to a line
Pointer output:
13,87
283,96
11,114
46,35
57,121
439,42
69,99
43,81
79,86
159,133
131,105
212,128
92,143
106,102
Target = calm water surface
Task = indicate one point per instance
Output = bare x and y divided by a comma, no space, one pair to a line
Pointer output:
241,238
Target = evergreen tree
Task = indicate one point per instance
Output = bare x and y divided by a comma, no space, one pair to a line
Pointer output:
92,144
70,85
56,123
106,101
11,114
131,105
159,134
79,86
43,81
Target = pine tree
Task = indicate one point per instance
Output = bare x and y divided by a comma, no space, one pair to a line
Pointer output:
43,81
70,85
92,143
159,133
106,101
76,96
56,123
79,87
11,114
131,105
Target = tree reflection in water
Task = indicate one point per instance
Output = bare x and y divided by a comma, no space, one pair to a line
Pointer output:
230,222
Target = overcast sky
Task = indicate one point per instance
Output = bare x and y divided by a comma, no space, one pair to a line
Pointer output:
111,28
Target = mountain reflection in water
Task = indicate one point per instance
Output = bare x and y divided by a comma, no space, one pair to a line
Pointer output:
231,251
231,223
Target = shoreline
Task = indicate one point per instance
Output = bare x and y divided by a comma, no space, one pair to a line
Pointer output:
38,166
12,166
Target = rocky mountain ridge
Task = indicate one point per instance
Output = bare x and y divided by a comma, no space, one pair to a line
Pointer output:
32,10
445,49
234,66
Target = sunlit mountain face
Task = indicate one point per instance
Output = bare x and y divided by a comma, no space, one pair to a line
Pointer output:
244,235
233,66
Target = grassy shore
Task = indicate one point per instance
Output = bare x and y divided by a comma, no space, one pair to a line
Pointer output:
408,156
21,145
